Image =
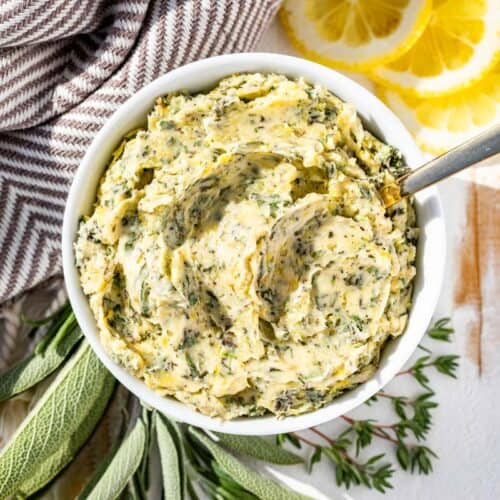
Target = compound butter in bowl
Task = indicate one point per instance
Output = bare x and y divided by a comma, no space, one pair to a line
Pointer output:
231,260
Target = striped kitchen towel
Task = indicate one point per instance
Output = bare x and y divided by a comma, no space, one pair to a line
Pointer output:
65,66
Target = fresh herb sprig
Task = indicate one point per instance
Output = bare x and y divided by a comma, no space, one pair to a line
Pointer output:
441,330
193,460
414,420
349,470
446,364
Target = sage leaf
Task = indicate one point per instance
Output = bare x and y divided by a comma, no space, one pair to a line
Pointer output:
142,473
63,323
122,467
259,448
171,458
190,489
57,427
49,468
99,471
259,485
36,367
68,325
133,490
229,485
178,437
181,450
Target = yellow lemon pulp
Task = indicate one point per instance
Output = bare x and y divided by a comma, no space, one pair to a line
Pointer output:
458,46
354,34
442,123
352,24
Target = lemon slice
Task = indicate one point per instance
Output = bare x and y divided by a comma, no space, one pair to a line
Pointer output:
354,34
442,123
459,45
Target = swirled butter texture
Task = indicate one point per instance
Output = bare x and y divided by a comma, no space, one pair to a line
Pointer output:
238,257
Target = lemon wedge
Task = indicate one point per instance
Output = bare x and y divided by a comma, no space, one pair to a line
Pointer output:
441,123
459,45
354,34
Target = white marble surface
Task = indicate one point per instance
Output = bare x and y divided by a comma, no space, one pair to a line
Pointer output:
465,434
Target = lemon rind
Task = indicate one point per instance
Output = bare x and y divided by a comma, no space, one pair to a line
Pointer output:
420,23
442,139
432,92
431,88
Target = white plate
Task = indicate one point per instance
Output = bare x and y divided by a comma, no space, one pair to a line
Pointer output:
377,117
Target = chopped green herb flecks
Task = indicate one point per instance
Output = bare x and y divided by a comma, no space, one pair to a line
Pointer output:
238,256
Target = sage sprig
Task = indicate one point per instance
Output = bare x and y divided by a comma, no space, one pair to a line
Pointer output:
141,476
121,467
99,471
67,325
258,448
37,367
59,424
64,319
255,483
172,459
64,418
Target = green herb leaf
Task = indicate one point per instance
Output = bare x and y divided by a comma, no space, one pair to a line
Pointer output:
447,365
192,366
399,404
258,448
229,488
133,491
403,456
417,370
282,438
421,459
63,323
122,467
69,325
177,434
59,424
35,368
171,458
415,418
258,484
190,489
100,470
441,330
380,479
167,124
364,434
315,458
142,473
349,472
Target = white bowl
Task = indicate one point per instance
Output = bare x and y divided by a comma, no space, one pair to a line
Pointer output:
377,118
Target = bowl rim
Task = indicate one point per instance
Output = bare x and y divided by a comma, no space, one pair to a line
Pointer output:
368,106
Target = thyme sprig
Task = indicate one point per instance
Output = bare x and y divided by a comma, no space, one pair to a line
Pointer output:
414,419
349,470
193,461
446,364
441,330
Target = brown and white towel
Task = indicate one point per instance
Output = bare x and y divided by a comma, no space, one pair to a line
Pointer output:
65,66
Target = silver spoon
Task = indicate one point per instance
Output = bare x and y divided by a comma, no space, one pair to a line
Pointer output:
467,154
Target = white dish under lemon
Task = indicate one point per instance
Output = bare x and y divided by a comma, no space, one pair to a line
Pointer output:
204,75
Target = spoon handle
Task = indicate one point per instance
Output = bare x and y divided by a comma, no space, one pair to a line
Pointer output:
473,151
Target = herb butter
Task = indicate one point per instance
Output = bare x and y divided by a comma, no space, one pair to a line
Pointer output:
238,257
